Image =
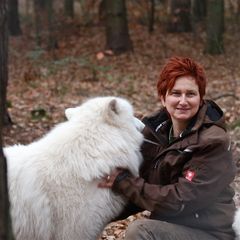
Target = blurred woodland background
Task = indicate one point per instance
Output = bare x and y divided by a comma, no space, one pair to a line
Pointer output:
56,53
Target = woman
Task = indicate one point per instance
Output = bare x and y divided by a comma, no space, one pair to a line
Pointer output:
188,167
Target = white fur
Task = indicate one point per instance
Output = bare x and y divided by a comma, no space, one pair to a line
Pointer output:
53,181
236,224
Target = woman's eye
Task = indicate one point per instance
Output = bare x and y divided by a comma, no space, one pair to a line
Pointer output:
191,94
176,93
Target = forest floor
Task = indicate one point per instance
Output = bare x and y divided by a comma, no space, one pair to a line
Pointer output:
42,84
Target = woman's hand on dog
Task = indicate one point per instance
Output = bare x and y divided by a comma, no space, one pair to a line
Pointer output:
108,181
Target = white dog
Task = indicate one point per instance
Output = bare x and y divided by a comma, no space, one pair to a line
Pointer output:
236,224
53,181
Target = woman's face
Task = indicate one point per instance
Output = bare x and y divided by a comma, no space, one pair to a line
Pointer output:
183,101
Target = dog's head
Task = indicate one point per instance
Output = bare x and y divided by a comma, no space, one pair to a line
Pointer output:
112,110
112,131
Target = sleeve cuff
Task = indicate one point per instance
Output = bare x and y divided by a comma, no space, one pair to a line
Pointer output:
122,176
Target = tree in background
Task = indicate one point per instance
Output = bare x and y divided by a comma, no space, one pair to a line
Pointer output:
151,14
198,15
5,221
199,10
117,36
13,18
215,27
44,18
185,16
52,41
3,61
69,8
39,7
180,16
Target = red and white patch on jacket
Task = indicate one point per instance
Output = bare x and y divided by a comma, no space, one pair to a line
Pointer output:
189,175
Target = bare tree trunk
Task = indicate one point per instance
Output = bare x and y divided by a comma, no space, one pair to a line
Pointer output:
5,221
198,15
151,17
215,27
44,22
4,203
3,60
13,19
52,42
5,218
69,8
117,36
180,19
37,15
199,9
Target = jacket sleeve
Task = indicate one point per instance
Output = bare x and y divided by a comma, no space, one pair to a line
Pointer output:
214,171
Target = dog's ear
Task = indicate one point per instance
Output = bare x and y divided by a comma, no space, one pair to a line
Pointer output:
113,106
69,112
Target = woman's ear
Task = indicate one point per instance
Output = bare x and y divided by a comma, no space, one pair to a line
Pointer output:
162,101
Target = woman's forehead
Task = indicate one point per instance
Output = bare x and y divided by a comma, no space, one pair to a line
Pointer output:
186,82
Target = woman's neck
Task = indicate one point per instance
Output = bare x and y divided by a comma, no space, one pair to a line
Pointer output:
178,127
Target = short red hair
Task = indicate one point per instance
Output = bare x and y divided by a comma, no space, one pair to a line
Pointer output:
177,67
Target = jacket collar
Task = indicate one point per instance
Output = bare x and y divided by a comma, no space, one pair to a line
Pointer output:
208,114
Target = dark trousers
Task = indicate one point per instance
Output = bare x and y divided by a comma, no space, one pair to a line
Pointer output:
148,229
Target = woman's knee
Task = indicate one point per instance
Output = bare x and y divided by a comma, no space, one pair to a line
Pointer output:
137,230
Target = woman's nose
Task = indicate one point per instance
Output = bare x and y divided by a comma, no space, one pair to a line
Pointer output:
183,99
